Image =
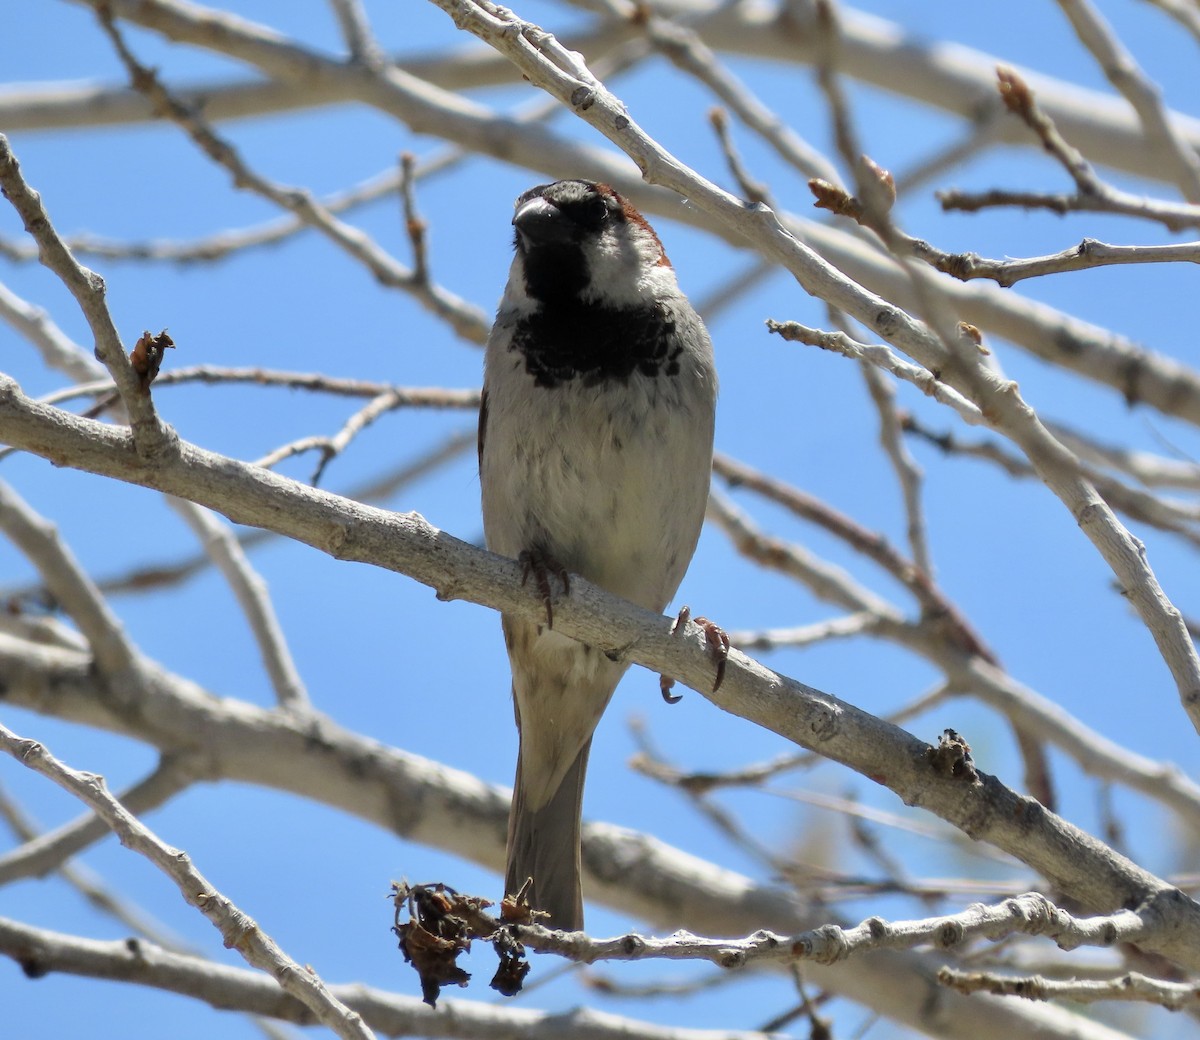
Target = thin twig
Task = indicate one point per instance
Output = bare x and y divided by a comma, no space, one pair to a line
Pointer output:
1092,194
1089,254
1028,914
885,358
250,591
984,130
1145,467
870,544
752,189
238,930
758,774
688,52
466,320
98,895
70,585
222,244
1185,12
58,351
317,382
845,627
378,406
908,472
826,581
413,222
1175,216
1131,987
150,437
356,31
1144,96
1179,517
162,575
43,852
648,762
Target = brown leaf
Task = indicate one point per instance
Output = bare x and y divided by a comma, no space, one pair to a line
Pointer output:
441,925
147,356
434,959
513,967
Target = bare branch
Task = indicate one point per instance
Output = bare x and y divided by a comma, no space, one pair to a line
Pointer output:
687,51
250,590
950,338
466,320
160,575
846,627
1090,253
1176,216
870,544
828,582
57,349
839,730
70,585
882,357
953,79
1184,12
22,862
1164,140
1028,914
41,951
238,930
413,223
360,42
1131,987
752,189
1098,354
1092,195
151,437
1179,517
47,852
453,810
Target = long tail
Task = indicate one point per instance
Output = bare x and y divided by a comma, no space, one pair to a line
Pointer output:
543,844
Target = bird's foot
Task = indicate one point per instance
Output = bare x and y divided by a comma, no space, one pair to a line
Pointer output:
541,565
718,646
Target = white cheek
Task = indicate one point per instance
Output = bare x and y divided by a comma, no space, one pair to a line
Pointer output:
626,271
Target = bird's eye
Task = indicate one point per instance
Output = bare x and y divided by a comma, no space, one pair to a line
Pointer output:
597,209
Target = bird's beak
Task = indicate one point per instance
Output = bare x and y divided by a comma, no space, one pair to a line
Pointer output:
539,222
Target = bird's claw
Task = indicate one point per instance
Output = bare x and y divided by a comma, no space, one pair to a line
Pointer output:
718,647
665,682
541,565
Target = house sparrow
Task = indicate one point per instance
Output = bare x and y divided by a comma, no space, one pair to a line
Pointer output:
595,450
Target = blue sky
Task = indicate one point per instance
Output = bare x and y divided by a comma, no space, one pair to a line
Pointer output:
376,650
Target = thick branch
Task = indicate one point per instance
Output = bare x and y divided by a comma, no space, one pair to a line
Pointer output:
1139,374
40,952
980,806
445,808
944,75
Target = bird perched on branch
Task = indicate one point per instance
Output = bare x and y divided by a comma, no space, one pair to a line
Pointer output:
595,449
